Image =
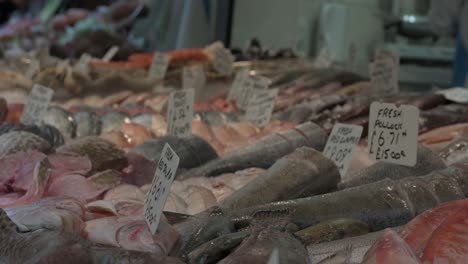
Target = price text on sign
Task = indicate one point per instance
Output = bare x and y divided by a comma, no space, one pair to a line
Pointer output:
251,85
382,75
37,105
261,107
180,113
393,133
160,187
193,77
237,86
341,145
159,66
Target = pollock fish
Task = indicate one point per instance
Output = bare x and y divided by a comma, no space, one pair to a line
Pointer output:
304,172
264,152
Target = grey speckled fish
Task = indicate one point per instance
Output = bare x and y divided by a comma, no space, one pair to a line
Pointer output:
264,152
387,203
427,161
16,141
102,153
305,172
87,124
113,121
455,152
62,120
54,247
193,150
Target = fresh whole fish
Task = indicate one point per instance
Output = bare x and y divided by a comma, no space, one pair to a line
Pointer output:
87,124
427,161
102,153
47,132
193,150
302,173
455,152
113,121
62,120
387,203
332,230
264,152
28,247
16,141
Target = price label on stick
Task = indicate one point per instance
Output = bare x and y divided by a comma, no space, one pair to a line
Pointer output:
274,257
180,113
341,145
261,107
160,187
110,54
393,133
193,77
383,82
37,105
250,86
159,65
237,86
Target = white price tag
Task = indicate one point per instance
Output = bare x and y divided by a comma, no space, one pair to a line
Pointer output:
180,113
274,257
110,53
324,58
457,95
352,57
394,56
37,105
33,68
193,77
261,107
160,187
249,87
223,59
382,74
159,66
237,86
83,63
341,145
393,133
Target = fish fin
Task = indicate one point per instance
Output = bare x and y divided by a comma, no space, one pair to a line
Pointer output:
6,224
175,218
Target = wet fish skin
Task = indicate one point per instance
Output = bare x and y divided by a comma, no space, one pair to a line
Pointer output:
102,153
396,201
112,121
427,161
16,141
62,120
264,152
193,150
88,124
302,173
332,230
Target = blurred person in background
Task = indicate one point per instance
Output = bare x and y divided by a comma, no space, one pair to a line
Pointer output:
450,19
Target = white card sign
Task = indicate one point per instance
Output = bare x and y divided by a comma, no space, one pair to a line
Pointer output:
222,58
193,77
110,54
382,75
250,85
274,257
324,58
180,113
341,145
237,85
261,107
457,95
160,187
37,105
393,133
159,65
